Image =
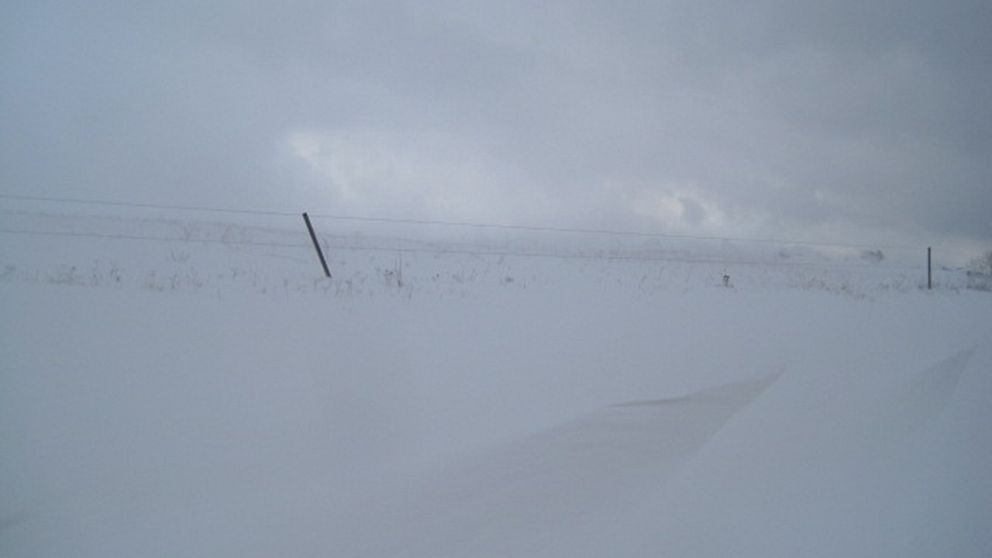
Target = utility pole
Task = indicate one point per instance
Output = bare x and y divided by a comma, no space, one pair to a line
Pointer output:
316,245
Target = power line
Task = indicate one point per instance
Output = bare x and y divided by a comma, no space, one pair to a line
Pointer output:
462,224
21,232
148,205
605,232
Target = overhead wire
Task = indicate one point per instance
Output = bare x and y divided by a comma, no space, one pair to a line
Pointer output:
223,241
82,201
462,224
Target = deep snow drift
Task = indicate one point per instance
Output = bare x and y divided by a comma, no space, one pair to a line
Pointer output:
214,396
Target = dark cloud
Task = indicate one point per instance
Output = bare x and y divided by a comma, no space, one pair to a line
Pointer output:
767,117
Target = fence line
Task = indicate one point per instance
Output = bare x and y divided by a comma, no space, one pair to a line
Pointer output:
441,251
608,257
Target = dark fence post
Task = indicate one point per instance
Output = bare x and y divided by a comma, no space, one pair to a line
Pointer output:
316,245
929,270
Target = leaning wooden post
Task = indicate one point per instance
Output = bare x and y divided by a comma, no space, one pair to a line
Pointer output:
929,272
316,245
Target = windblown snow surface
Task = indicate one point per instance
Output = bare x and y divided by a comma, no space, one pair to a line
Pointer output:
189,388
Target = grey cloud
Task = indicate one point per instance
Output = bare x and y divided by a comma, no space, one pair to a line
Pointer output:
786,117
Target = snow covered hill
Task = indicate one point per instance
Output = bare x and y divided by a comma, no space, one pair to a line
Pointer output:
194,387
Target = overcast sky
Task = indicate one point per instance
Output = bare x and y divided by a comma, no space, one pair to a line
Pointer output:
837,120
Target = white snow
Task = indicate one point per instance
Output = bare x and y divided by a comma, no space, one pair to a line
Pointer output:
208,393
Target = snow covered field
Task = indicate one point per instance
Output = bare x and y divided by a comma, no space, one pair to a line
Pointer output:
194,387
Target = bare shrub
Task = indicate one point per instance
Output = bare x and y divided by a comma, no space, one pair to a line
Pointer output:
979,273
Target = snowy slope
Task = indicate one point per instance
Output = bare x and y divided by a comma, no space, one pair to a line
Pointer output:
445,395
543,490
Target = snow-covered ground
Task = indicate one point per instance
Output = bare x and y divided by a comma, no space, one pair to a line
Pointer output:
193,386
